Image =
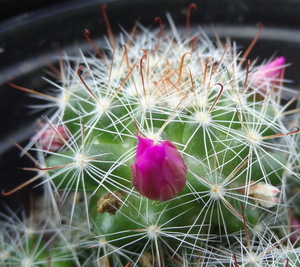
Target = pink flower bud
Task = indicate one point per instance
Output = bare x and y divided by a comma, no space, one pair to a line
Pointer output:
295,225
269,74
52,140
158,172
264,194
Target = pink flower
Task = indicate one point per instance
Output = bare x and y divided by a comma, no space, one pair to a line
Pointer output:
295,225
52,140
159,171
269,74
264,194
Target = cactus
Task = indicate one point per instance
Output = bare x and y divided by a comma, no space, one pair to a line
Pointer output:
164,149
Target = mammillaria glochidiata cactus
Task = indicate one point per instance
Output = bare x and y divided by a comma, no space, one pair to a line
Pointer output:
163,149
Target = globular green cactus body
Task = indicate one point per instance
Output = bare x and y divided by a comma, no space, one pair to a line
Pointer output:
227,125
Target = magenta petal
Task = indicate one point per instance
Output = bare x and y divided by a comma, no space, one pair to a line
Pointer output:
274,68
143,144
159,171
52,139
270,71
268,77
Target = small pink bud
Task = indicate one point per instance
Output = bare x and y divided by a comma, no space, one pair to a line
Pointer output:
270,73
159,171
264,194
52,140
295,225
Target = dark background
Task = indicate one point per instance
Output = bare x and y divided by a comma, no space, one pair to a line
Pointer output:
279,12
12,8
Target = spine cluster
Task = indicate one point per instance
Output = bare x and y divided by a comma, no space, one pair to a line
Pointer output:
164,149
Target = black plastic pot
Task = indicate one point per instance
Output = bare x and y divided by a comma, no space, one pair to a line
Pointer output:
26,40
